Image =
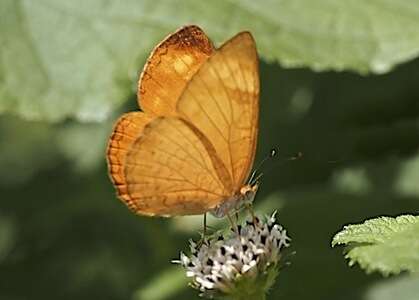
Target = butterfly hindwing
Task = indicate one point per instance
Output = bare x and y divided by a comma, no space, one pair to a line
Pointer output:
171,171
125,132
170,67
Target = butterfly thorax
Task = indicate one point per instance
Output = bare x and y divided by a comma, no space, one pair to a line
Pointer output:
243,197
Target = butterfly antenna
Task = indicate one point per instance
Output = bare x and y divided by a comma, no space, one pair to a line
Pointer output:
255,179
252,179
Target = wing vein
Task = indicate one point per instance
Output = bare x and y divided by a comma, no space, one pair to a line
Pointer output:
168,191
213,98
159,177
194,145
231,116
225,119
208,117
225,91
162,193
251,112
233,175
187,152
175,171
159,94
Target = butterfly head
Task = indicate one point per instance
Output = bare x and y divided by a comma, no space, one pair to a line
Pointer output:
245,196
248,192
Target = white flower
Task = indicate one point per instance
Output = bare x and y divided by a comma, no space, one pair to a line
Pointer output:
248,252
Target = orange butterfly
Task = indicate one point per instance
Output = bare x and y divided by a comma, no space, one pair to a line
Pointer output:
191,148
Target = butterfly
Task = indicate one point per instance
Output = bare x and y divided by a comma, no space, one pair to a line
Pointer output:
191,148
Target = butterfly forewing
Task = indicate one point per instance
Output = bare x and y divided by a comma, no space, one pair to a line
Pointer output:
221,100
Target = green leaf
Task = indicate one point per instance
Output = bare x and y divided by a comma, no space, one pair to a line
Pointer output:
352,180
385,244
83,144
400,288
25,149
80,59
407,181
29,147
8,235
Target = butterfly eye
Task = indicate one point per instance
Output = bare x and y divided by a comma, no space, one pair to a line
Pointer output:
249,193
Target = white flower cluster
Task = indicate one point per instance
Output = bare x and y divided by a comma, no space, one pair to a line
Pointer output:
246,252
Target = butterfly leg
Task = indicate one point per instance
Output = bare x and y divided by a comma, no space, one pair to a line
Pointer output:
204,232
233,224
249,208
205,226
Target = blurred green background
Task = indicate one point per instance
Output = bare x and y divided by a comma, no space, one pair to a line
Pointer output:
340,83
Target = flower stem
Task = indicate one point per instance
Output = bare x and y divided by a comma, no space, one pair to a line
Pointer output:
257,295
246,289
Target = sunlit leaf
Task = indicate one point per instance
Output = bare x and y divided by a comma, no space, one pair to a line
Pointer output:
80,58
388,245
